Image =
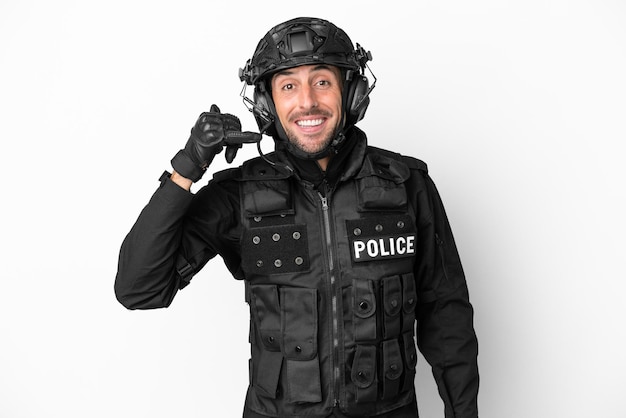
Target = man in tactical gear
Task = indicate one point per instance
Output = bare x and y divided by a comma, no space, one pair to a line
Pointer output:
345,248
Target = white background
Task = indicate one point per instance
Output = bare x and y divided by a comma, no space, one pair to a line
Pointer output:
518,107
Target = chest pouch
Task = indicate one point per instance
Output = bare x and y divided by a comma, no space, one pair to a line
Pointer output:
392,368
380,184
410,360
299,330
266,197
409,301
392,302
364,310
271,243
286,320
364,375
265,310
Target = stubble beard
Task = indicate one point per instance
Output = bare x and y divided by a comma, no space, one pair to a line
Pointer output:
310,147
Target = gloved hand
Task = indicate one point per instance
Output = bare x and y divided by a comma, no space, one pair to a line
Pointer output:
212,132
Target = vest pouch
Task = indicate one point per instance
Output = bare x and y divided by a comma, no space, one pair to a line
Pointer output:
268,197
410,360
364,310
392,303
364,374
299,334
380,184
265,308
376,193
392,368
409,301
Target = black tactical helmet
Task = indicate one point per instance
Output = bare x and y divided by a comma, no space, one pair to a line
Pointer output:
300,41
305,41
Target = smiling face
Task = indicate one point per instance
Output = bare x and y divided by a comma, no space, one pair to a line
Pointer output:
308,105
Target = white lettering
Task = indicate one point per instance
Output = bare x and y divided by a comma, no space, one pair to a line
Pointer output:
410,244
401,245
383,250
359,246
372,248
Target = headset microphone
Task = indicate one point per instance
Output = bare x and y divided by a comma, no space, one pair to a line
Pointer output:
261,114
258,110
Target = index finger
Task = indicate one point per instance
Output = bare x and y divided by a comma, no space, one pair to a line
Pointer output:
238,137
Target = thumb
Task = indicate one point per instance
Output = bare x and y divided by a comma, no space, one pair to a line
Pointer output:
231,152
215,109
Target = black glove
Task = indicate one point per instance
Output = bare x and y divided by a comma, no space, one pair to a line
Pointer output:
213,131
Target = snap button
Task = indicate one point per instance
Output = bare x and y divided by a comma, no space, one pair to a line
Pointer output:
298,349
357,231
257,218
276,237
256,240
278,263
270,340
259,263
299,261
400,224
364,305
379,228
296,235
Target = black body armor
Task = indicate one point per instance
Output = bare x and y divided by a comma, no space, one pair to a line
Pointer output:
331,290
340,281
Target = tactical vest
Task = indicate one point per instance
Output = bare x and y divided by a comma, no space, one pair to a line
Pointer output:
330,285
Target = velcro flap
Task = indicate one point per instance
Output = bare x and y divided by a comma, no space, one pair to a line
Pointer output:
304,381
266,198
299,323
266,308
364,367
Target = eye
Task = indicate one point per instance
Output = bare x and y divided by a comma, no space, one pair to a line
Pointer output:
324,83
287,87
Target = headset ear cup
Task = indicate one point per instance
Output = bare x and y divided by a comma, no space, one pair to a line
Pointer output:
356,104
262,112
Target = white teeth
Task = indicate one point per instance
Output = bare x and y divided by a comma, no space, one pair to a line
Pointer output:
312,122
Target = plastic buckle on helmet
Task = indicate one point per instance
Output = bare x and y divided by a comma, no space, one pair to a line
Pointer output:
362,56
245,73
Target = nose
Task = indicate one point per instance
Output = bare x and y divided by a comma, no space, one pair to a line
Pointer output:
308,97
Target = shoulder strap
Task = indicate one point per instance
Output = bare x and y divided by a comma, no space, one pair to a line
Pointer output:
411,162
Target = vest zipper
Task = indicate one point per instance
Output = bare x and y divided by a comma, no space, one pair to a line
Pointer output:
333,285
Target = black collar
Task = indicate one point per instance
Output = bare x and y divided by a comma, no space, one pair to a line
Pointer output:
343,164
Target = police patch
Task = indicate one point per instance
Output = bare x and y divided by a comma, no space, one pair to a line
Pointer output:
386,247
381,238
